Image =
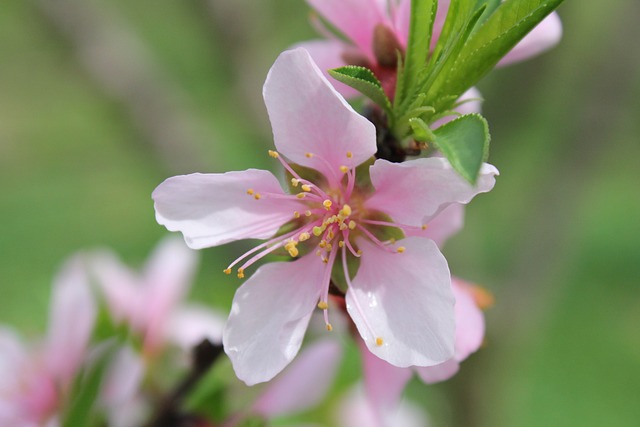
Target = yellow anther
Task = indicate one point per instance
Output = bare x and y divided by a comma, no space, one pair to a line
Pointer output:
304,236
358,252
317,231
343,226
349,154
250,192
294,182
400,249
344,169
307,213
325,260
322,244
352,225
306,187
274,154
227,271
341,243
345,211
293,252
322,305
300,195
319,252
308,155
296,214
330,235
327,204
328,247
424,227
379,341
257,196
241,273
392,240
329,327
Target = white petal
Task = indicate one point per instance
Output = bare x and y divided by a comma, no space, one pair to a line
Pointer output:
213,209
309,116
269,316
167,279
71,319
413,192
303,384
444,225
402,303
191,324
543,37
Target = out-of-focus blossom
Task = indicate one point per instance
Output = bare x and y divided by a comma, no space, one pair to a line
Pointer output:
36,379
357,410
400,299
376,28
151,302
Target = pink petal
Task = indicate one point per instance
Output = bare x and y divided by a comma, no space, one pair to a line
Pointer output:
437,373
543,37
328,54
191,324
269,316
121,287
12,357
309,116
413,192
383,382
303,384
444,225
213,209
404,299
356,19
167,278
71,319
469,321
123,379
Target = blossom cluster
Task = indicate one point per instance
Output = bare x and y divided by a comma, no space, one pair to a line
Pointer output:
351,233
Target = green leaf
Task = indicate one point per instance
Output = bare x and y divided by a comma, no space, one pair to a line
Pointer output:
423,14
81,410
501,31
421,131
465,143
364,81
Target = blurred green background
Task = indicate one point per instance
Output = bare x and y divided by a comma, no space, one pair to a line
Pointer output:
101,100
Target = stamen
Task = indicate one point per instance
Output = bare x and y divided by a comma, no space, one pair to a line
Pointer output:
326,281
344,169
400,249
306,187
349,154
307,213
403,227
296,214
241,273
250,192
308,155
274,154
379,341
322,305
257,196
329,327
227,271
327,204
295,182
375,240
345,211
352,225
301,195
317,231
304,236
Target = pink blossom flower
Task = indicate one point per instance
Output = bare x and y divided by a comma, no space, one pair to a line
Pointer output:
400,299
374,26
34,382
384,383
150,303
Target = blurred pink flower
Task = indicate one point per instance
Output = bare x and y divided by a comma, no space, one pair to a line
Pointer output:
375,28
34,381
151,302
400,299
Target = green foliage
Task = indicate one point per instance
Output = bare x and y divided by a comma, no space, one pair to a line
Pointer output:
465,143
498,34
86,389
364,81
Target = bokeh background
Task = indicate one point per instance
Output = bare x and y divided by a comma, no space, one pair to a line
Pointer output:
100,100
